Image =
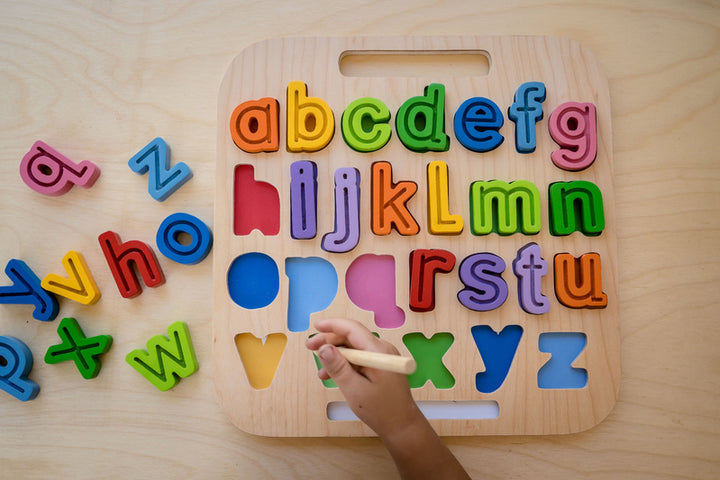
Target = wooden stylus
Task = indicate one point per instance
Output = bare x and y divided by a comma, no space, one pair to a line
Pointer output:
382,361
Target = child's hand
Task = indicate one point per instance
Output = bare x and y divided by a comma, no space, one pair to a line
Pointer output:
379,398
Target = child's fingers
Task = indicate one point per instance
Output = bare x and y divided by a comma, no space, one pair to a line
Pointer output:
343,331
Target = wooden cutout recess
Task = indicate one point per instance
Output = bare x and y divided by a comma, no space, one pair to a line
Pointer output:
295,403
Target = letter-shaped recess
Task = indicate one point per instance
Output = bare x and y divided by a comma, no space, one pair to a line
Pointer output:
16,361
485,289
370,284
573,126
310,121
505,208
260,357
477,122
256,204
423,265
254,125
179,362
420,121
163,180
49,172
346,233
79,286
576,206
558,371
440,220
303,200
529,268
578,281
365,124
428,353
389,202
77,347
526,111
120,257
27,290
170,242
497,351
313,286
253,280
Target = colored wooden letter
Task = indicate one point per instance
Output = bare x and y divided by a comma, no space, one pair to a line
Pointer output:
477,122
497,351
260,357
47,171
163,180
578,281
169,236
370,284
120,257
80,285
256,203
423,265
27,290
558,371
254,125
420,121
485,289
570,200
77,347
16,361
428,353
180,361
507,214
440,220
303,200
365,125
529,268
573,126
313,286
346,234
389,202
526,111
310,121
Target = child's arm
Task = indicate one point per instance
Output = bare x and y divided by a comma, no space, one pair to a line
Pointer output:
383,401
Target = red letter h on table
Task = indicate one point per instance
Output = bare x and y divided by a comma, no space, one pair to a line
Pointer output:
119,257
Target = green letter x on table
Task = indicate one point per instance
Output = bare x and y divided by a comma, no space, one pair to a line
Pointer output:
75,346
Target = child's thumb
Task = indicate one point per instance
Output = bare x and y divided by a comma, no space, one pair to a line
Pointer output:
336,365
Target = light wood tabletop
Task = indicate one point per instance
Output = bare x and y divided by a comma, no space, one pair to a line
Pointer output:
99,80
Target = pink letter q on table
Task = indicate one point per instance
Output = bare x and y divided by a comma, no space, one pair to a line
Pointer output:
47,171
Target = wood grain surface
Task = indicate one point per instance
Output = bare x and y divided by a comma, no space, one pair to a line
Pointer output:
98,80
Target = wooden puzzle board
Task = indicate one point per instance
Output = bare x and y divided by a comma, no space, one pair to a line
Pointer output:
295,403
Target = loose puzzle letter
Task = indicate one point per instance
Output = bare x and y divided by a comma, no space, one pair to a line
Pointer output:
120,257
27,290
163,180
47,171
16,361
77,347
179,362
80,285
170,231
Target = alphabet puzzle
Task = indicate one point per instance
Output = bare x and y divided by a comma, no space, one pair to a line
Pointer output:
397,201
